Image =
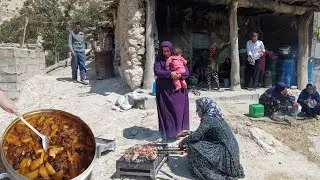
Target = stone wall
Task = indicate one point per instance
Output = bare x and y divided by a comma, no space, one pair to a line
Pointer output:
130,41
316,72
315,51
17,65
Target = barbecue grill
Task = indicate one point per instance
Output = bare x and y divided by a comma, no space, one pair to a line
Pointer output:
146,168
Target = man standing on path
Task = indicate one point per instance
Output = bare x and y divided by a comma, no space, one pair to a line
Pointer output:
255,50
77,49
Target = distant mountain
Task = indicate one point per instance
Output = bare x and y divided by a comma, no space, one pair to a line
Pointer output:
9,8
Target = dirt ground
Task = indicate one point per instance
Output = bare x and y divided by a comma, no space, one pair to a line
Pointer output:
302,136
297,159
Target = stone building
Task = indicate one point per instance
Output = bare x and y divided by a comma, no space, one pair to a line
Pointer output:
315,50
130,41
18,65
139,25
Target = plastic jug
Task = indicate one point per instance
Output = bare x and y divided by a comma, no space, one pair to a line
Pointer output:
296,111
256,110
226,83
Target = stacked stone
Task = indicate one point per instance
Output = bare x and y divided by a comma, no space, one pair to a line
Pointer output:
16,66
130,41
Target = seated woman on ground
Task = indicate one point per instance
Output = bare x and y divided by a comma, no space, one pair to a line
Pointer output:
213,150
277,99
309,99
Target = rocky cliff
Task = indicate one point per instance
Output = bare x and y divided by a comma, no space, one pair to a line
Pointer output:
9,8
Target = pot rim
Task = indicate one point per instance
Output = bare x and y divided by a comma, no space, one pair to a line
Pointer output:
13,172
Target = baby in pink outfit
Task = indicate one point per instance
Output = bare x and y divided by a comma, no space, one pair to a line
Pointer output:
178,64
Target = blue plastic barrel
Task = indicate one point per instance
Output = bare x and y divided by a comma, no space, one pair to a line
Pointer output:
154,88
226,83
310,67
287,72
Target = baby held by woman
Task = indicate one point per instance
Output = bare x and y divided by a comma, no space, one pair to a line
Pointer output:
178,65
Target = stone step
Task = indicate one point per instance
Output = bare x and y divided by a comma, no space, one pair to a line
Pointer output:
221,97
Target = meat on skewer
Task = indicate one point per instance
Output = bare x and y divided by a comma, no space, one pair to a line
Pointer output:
140,152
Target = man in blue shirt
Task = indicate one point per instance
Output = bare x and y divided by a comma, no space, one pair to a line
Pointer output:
77,49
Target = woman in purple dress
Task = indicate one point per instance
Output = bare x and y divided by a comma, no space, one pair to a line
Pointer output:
172,106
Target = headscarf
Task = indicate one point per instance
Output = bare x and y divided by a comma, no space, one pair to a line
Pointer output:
314,87
304,95
280,87
160,56
275,91
208,107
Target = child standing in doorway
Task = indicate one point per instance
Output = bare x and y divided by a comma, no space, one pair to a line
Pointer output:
178,64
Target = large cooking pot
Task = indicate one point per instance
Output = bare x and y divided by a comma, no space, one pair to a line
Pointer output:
12,174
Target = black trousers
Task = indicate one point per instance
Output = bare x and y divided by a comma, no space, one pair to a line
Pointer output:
310,111
252,74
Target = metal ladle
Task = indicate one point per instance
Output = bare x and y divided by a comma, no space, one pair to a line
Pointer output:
44,138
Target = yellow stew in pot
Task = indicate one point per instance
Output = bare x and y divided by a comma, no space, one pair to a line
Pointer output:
70,153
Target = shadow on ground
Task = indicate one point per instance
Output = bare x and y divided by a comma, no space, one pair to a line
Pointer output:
141,133
65,79
179,166
178,169
91,71
104,87
101,87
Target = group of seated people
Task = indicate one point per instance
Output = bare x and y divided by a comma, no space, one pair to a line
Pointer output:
277,99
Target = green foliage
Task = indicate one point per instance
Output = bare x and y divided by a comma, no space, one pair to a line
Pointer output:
12,31
50,59
89,16
51,19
